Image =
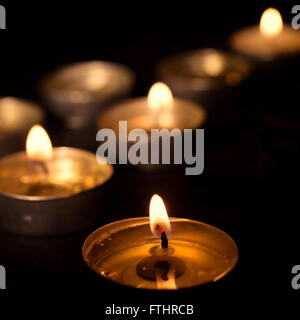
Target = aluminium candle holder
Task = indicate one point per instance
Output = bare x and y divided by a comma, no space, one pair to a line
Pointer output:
274,48
77,92
207,76
17,116
126,253
182,114
73,199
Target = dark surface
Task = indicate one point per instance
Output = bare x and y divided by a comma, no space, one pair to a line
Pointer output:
249,187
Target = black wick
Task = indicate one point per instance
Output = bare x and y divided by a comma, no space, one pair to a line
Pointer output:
164,240
163,237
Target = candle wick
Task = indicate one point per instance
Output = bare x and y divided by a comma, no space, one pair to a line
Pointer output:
164,240
163,237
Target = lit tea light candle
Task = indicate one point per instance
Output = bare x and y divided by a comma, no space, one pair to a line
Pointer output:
42,182
158,110
77,92
268,40
204,72
175,253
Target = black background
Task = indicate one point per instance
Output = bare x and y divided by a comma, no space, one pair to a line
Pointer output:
249,187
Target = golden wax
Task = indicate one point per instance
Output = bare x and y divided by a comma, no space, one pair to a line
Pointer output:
70,171
204,253
252,42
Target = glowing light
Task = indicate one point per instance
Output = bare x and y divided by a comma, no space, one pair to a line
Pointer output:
158,215
38,144
271,22
96,80
213,63
160,96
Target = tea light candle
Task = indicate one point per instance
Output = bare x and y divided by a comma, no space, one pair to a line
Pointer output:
77,92
158,110
204,74
176,253
41,183
268,41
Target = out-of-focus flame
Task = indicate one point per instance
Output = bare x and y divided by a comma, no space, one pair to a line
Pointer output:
160,96
270,22
96,80
233,78
213,63
158,215
169,284
38,144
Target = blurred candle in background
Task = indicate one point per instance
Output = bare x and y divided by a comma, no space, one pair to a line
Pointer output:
17,116
269,40
43,190
159,110
207,76
76,93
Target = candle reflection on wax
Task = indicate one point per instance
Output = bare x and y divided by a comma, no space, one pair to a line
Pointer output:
168,283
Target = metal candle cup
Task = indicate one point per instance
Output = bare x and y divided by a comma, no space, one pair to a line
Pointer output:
60,195
77,92
17,116
126,253
207,76
157,111
115,251
274,48
184,115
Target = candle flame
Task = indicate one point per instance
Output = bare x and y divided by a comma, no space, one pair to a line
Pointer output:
159,220
38,144
213,63
169,284
271,22
160,96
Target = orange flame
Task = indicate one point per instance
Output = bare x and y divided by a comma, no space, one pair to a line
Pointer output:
270,22
160,96
38,144
158,216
